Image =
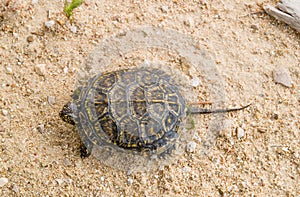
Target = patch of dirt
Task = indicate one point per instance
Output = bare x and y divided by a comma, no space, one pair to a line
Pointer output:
39,154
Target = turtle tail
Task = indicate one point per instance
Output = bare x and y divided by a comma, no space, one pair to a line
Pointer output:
194,110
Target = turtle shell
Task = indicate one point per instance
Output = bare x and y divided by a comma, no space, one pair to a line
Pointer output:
133,112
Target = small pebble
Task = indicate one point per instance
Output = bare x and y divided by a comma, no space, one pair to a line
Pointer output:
130,181
29,39
197,137
51,100
4,112
225,129
254,27
189,22
285,149
262,130
195,82
275,116
282,76
15,189
102,178
41,128
69,181
35,1
9,70
3,181
50,23
164,9
59,181
186,169
67,162
73,29
40,69
240,133
66,69
191,147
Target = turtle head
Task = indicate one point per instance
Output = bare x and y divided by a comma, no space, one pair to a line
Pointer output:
67,113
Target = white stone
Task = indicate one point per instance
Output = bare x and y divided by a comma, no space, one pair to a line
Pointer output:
15,189
4,112
51,100
164,9
3,181
186,169
130,181
69,181
50,23
40,69
59,181
282,76
41,128
73,29
9,70
191,147
240,133
66,69
195,82
285,149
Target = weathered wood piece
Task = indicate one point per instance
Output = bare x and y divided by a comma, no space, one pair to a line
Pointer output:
287,11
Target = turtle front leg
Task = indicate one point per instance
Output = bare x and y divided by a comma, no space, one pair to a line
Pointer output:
67,113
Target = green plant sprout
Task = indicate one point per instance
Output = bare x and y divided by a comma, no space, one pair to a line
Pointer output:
69,7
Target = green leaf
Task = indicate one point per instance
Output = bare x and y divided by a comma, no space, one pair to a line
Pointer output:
69,7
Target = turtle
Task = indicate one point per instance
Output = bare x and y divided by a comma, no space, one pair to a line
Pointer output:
137,111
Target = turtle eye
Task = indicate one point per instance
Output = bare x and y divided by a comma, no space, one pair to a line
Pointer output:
66,114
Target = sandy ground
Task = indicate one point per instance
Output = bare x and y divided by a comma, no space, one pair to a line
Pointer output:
39,154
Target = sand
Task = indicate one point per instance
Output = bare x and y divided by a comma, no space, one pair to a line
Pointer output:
256,154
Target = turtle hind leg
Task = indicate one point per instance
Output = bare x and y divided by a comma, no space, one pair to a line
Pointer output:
86,147
84,151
